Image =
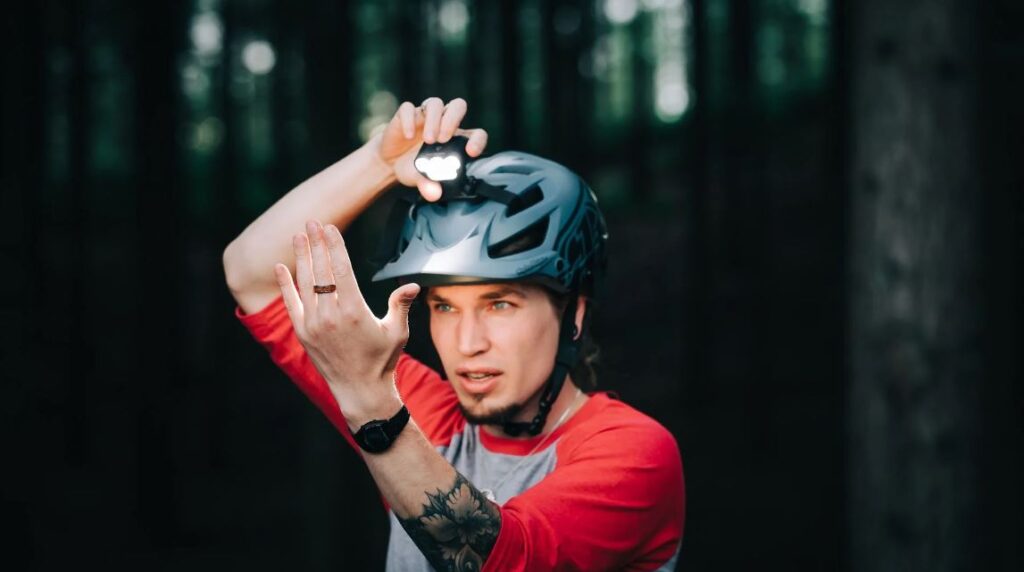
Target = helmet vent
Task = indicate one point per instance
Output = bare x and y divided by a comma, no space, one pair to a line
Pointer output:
527,239
517,169
403,243
575,248
525,200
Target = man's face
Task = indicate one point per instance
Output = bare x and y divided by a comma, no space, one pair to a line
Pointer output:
497,343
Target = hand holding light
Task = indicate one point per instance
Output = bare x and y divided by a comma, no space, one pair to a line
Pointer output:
433,122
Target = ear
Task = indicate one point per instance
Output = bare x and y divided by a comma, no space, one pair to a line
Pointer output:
581,310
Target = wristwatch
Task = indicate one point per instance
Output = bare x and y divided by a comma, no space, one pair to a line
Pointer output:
377,435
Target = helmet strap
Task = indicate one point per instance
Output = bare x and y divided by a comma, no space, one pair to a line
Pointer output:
481,188
565,359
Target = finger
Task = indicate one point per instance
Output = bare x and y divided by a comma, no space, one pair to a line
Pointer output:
292,301
434,108
396,322
430,190
303,271
341,267
477,140
421,116
453,114
321,259
401,123
407,118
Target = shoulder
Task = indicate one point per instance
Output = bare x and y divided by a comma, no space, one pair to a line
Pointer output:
614,428
615,500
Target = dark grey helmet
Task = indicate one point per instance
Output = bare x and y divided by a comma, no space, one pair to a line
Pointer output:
543,224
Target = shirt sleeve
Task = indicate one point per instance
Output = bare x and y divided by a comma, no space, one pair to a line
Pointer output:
430,399
615,503
272,328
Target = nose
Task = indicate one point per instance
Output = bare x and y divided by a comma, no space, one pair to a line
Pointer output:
472,335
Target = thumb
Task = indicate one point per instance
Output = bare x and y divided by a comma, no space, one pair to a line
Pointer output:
431,190
397,319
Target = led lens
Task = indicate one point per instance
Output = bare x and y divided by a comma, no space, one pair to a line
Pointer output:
439,168
445,163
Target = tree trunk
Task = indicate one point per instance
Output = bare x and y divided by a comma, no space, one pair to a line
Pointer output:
915,310
511,78
158,248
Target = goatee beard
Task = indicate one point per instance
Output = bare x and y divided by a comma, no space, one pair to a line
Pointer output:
494,417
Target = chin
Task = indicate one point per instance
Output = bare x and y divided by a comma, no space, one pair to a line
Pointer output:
480,412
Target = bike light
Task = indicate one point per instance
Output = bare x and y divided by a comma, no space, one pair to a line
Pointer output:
446,164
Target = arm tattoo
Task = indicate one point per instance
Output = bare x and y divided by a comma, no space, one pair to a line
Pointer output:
457,528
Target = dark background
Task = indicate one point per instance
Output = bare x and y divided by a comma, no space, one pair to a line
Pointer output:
815,212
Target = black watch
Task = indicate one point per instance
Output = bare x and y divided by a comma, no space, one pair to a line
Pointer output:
377,435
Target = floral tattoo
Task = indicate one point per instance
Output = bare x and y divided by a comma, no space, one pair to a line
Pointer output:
457,529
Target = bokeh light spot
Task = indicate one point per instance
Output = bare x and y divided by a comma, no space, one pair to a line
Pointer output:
258,57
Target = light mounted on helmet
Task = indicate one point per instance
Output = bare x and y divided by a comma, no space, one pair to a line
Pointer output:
446,164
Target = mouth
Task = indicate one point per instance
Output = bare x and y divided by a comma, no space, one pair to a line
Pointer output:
478,380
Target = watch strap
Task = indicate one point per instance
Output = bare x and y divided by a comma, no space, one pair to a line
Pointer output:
377,436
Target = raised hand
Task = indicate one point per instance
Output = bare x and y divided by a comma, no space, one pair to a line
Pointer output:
354,350
431,122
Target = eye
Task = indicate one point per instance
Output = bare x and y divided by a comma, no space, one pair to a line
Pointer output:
443,308
501,305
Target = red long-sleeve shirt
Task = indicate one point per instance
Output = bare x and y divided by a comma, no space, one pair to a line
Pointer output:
603,492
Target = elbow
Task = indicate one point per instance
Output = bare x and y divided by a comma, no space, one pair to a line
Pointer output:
234,270
526,541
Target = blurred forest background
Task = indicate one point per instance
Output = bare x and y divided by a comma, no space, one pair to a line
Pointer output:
815,212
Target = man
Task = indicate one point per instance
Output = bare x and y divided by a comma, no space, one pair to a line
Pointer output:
508,465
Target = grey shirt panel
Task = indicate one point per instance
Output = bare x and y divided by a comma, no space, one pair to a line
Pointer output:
485,469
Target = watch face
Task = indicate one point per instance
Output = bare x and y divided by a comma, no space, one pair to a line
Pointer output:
375,439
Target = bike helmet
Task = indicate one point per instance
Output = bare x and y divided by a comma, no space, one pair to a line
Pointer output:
523,217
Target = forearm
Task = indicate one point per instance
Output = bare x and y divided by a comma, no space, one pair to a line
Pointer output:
336,195
448,518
